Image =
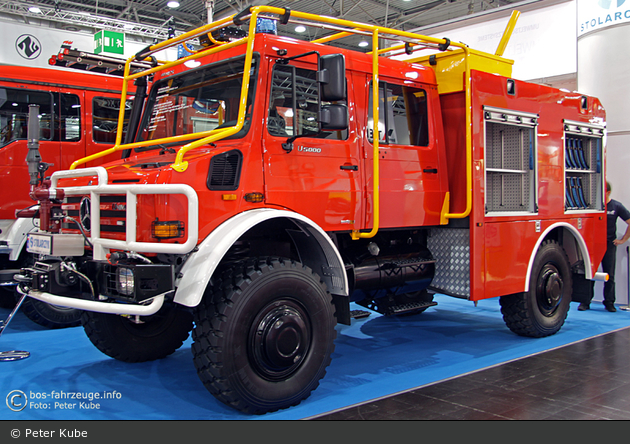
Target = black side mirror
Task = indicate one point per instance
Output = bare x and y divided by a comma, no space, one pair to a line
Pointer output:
332,75
334,117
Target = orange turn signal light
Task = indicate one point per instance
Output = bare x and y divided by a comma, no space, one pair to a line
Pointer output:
167,229
254,197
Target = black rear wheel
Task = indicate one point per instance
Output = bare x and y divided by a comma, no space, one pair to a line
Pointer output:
543,309
132,339
42,313
51,316
264,334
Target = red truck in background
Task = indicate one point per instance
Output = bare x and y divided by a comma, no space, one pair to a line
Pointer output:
268,183
78,117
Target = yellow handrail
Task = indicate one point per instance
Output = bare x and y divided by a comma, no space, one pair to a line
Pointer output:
356,234
468,103
121,115
179,164
332,37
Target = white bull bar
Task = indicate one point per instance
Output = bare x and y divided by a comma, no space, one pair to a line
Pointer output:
102,246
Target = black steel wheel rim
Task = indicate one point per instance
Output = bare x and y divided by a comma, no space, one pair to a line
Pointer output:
549,289
279,339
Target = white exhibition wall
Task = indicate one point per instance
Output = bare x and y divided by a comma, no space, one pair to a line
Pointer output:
543,43
34,45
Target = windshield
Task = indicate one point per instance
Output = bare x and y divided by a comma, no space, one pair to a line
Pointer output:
199,100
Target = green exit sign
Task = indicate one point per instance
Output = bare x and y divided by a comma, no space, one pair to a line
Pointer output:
109,41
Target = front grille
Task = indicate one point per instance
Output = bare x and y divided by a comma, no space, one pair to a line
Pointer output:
112,209
225,171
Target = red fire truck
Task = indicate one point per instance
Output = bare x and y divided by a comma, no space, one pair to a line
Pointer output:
270,182
78,117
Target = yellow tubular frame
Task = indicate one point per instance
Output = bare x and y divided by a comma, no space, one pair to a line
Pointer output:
165,65
356,234
344,28
507,33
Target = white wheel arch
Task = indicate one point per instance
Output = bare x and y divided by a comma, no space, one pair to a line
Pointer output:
581,245
200,266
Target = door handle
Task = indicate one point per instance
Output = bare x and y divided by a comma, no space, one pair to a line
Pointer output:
349,167
430,170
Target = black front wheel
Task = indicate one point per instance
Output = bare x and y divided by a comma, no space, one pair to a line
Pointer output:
543,309
264,334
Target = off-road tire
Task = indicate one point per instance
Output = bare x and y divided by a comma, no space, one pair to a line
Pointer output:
543,309
264,334
51,316
42,313
160,335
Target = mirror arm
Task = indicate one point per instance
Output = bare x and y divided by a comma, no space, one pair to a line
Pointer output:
288,145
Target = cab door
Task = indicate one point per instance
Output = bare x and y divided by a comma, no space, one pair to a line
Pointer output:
313,173
412,190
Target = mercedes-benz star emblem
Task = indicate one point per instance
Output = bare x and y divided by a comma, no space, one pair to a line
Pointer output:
84,213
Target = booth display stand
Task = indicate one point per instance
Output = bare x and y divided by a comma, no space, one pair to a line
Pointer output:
12,355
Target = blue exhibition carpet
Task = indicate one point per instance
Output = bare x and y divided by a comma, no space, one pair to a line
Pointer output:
374,357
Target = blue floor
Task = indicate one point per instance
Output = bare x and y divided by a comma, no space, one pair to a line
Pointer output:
374,357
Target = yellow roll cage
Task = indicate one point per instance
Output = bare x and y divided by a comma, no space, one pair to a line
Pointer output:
449,79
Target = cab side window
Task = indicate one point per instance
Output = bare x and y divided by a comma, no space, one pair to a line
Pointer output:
105,119
403,117
69,118
281,119
14,109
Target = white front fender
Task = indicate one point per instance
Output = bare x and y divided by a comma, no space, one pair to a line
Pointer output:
202,263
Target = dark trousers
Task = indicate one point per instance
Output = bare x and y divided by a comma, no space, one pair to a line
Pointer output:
609,262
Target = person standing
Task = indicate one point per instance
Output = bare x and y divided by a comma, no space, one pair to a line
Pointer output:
614,209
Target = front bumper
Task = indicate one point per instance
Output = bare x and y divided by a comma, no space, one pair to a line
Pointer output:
139,289
150,308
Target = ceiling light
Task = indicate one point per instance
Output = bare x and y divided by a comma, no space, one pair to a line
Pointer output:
173,4
34,10
300,28
363,44
192,63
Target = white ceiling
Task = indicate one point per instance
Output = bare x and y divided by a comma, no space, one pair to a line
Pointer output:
149,17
